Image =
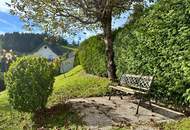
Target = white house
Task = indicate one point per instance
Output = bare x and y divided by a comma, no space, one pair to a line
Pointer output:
51,52
67,64
47,52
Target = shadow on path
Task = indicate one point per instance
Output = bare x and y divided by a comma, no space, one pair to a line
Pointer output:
60,115
99,112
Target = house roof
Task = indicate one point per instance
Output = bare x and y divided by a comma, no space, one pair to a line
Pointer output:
58,50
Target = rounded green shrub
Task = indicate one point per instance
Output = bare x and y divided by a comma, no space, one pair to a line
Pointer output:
29,81
56,63
92,57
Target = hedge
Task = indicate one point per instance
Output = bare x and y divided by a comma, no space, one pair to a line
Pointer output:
92,57
158,44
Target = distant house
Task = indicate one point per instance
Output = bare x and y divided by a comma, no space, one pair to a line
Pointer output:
67,64
50,52
46,52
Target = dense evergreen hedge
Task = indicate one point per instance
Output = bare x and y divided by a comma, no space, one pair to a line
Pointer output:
158,44
92,56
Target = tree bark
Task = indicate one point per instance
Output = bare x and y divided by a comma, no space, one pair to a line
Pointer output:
108,39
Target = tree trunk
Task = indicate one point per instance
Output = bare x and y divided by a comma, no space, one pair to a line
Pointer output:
107,28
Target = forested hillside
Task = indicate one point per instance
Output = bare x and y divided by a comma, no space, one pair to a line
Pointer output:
27,42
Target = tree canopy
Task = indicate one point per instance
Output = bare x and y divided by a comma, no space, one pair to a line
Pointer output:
59,16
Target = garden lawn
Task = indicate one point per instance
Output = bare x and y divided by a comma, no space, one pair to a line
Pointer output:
78,84
11,119
73,84
180,125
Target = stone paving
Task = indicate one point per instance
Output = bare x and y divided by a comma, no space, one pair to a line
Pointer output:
99,113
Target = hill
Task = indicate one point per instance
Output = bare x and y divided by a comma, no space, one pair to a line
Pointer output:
26,43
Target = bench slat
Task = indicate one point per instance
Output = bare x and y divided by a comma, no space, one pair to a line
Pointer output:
127,90
135,87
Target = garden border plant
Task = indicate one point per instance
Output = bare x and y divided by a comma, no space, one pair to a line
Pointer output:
29,82
92,56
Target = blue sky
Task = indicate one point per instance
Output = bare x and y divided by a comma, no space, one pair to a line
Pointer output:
9,23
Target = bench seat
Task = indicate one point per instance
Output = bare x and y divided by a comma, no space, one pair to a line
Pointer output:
134,84
127,89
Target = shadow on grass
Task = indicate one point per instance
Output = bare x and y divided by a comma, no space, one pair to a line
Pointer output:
59,116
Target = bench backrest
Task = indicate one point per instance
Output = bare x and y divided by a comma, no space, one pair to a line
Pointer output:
136,81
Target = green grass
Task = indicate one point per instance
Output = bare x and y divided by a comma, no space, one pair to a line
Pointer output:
78,84
180,125
75,83
70,48
9,118
4,102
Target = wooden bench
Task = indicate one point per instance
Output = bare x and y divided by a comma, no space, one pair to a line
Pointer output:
134,84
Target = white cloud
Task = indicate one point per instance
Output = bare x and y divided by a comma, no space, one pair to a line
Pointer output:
7,23
3,6
2,32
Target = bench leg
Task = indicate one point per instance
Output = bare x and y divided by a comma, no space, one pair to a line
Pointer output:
120,94
121,97
110,94
137,112
150,105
